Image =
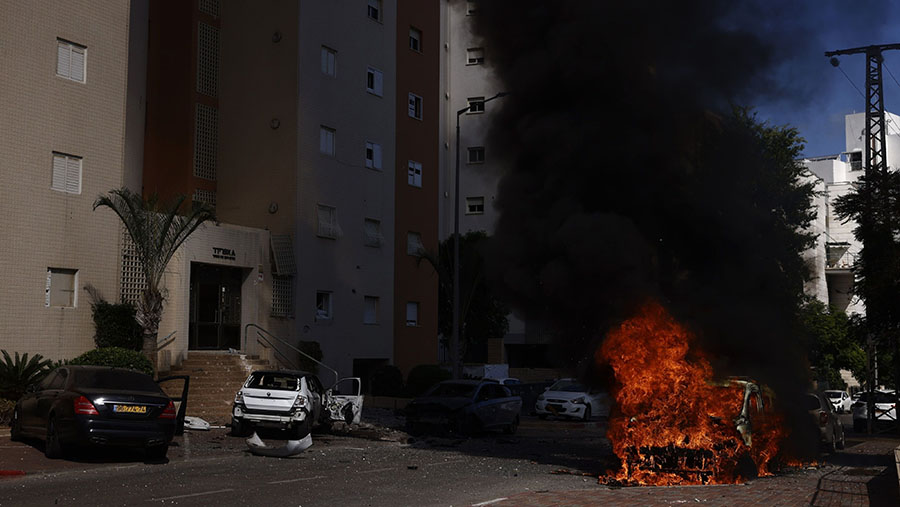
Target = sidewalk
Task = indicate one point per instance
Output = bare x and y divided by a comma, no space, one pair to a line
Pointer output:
862,475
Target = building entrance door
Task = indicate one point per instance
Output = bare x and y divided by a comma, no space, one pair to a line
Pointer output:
215,322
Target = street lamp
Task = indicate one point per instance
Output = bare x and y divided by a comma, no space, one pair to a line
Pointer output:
454,336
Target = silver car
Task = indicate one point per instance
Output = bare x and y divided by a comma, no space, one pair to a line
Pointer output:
830,428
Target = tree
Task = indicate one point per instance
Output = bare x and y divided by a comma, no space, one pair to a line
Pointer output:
483,315
157,230
831,343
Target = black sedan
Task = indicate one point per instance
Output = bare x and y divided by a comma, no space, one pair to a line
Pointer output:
465,406
96,405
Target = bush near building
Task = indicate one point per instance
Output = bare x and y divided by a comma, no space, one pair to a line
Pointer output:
6,410
17,372
116,357
115,326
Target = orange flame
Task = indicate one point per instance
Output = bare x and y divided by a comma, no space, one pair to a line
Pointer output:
673,424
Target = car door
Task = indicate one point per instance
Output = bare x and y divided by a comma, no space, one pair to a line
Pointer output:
508,406
345,400
316,394
29,402
48,395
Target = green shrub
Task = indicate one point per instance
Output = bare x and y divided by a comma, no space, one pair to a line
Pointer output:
387,381
16,374
115,326
314,350
117,357
423,376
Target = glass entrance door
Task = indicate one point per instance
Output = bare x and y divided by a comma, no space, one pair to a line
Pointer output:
215,307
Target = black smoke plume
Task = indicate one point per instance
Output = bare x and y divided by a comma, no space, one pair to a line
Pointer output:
629,176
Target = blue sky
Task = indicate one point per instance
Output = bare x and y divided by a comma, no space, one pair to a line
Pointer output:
822,94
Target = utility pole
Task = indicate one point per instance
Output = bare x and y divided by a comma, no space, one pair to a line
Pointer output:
875,175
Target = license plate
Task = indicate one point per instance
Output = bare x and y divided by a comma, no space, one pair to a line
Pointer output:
130,409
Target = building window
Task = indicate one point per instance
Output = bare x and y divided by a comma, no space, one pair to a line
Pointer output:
373,155
374,81
415,39
71,60
370,311
210,7
474,205
856,162
412,314
282,296
415,106
60,291
328,224
475,56
66,173
208,60
206,142
476,105
329,61
415,174
372,230
323,305
326,140
471,8
374,11
202,196
414,243
476,155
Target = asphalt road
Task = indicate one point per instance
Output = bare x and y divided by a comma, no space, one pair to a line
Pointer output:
211,468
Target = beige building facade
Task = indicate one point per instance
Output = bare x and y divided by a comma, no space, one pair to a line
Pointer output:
62,143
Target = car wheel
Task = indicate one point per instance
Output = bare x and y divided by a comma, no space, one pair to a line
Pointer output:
239,428
513,426
300,430
587,413
15,430
157,452
53,447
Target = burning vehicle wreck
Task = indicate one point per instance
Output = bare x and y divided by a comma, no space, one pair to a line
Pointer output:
293,401
464,407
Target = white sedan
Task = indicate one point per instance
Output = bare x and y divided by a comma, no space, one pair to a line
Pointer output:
840,400
885,409
569,398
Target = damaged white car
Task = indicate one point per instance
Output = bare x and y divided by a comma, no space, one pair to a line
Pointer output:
294,401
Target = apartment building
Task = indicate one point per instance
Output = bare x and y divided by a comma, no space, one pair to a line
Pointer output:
312,128
303,124
838,250
63,142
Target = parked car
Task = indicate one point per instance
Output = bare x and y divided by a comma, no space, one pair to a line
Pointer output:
885,408
569,398
294,401
831,431
465,407
96,406
840,399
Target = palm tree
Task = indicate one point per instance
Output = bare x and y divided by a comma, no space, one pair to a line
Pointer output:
157,231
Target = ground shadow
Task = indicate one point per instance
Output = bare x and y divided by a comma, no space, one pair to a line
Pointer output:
101,454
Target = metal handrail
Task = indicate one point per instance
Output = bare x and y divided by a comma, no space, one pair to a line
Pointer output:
260,332
270,345
166,341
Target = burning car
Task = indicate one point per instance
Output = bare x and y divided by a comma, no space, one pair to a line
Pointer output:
294,401
569,398
465,407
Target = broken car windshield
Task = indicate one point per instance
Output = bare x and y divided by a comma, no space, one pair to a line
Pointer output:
275,381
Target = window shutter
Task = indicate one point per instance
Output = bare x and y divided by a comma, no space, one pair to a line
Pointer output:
59,173
73,175
412,105
77,64
323,141
379,83
62,58
283,254
376,150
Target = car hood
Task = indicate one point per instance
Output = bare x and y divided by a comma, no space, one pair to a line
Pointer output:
439,403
